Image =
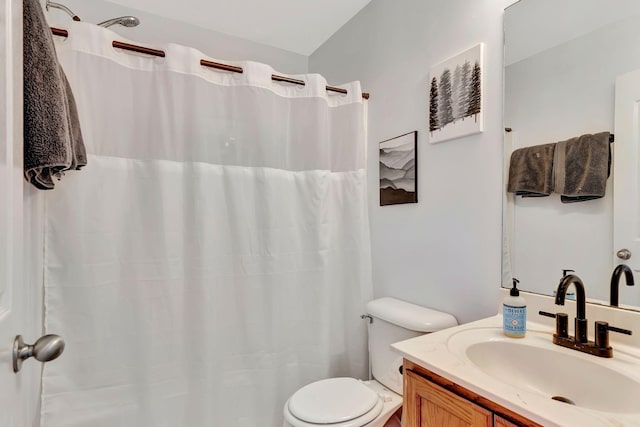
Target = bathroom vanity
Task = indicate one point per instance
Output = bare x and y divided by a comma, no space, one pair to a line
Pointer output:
473,375
432,400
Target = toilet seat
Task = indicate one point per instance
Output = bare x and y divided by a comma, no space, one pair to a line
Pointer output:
335,402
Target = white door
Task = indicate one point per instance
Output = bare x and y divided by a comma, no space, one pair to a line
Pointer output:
626,161
19,393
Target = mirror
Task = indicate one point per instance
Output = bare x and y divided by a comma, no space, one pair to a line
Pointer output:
561,62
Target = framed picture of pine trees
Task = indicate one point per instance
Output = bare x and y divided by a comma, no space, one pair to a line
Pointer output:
455,96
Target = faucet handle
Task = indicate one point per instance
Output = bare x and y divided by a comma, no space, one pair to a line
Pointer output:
602,333
562,323
619,330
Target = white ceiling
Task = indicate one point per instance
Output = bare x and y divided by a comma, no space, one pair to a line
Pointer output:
299,26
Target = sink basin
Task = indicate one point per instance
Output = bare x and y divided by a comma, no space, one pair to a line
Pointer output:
534,364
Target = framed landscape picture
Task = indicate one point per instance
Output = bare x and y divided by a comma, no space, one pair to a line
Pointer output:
398,169
455,96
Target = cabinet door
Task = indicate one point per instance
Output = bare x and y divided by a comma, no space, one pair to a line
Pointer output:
429,405
501,422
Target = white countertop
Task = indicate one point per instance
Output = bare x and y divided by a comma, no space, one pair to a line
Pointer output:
435,352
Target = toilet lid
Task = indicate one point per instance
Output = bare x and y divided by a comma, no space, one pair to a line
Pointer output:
332,401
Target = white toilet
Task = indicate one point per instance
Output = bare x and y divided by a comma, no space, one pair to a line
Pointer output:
348,402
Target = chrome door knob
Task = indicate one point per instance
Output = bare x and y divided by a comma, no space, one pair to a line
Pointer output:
624,254
47,348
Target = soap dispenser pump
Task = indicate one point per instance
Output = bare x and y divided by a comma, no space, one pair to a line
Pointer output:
514,313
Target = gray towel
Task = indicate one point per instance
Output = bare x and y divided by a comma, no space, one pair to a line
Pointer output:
531,171
52,137
75,133
581,167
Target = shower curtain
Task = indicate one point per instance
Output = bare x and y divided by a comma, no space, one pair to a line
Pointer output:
213,256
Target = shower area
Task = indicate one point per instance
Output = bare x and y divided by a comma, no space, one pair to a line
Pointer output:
213,255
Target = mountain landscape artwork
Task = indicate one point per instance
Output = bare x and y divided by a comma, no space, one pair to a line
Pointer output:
455,96
398,167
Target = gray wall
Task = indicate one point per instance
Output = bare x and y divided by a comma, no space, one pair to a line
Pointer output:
445,251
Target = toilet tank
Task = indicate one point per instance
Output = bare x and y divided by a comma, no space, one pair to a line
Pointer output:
393,321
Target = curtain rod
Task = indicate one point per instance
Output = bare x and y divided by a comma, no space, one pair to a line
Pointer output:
155,52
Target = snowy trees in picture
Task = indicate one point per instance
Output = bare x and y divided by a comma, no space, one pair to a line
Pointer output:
398,165
455,96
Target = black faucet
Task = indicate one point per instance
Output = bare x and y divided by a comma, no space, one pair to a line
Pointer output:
615,282
581,304
600,347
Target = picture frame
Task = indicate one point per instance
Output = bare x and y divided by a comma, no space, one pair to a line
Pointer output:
456,96
398,163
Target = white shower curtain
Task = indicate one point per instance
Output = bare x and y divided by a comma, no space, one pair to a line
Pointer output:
214,255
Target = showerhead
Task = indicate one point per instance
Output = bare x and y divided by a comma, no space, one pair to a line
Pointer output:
63,8
125,21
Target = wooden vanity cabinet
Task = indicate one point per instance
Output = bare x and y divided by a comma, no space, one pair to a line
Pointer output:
498,421
433,401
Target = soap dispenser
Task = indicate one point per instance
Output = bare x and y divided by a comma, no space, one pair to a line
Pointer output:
514,313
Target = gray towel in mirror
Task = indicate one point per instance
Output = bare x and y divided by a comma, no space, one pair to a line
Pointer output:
52,137
531,171
581,167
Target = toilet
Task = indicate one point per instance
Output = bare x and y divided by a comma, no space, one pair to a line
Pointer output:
349,402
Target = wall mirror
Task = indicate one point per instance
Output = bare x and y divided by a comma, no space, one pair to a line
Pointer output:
562,59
